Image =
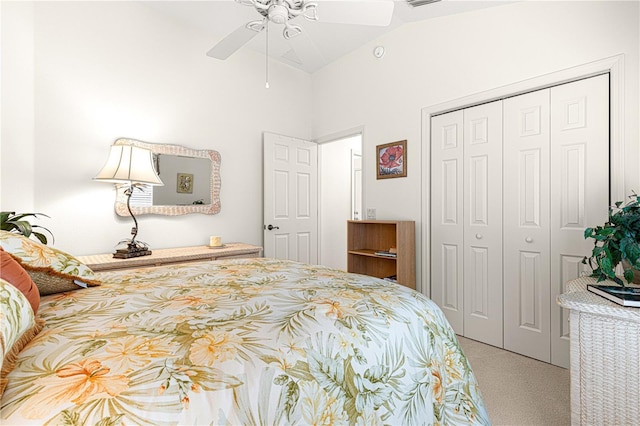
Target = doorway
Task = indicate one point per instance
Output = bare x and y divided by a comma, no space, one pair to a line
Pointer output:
340,189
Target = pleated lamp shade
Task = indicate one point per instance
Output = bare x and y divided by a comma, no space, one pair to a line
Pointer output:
129,164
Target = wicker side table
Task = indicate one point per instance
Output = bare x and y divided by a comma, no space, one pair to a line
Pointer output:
605,357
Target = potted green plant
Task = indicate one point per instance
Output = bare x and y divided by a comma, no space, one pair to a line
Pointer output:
615,242
15,222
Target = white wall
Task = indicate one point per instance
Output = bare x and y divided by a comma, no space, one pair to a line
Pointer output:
430,62
78,75
17,179
335,199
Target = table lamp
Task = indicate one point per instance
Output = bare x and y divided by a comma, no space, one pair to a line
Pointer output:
131,167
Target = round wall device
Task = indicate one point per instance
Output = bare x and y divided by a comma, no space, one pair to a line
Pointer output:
378,52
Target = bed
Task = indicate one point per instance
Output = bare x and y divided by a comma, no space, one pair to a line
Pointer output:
241,342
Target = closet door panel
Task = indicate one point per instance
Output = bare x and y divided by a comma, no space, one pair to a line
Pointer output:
526,225
483,223
579,188
446,216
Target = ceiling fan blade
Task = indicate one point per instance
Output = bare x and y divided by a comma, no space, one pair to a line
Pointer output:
356,12
307,52
234,41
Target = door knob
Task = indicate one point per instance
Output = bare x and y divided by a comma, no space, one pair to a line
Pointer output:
529,239
479,236
271,227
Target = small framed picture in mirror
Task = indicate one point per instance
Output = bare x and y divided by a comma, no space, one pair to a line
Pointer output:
185,183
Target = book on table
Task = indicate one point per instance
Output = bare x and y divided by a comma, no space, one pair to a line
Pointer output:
625,296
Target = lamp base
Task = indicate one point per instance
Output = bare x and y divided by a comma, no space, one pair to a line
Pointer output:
132,250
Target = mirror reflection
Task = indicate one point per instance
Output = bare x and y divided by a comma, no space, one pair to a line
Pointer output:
186,181
191,182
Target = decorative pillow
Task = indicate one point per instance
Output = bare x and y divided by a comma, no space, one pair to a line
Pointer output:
13,273
18,325
52,270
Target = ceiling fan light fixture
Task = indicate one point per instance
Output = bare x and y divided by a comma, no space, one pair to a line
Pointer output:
284,12
310,11
278,14
291,31
257,26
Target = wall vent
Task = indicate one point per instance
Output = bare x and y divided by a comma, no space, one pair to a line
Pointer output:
416,3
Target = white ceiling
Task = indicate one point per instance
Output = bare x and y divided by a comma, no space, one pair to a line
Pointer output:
219,18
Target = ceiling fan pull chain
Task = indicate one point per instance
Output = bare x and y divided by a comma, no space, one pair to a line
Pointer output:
266,56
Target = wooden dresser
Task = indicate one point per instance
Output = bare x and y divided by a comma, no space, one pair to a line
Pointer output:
106,262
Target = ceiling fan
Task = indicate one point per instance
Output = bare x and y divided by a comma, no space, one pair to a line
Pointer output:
354,12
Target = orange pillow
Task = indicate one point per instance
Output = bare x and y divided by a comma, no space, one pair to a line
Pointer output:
14,274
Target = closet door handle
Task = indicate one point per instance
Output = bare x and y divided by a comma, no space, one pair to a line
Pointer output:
529,239
479,236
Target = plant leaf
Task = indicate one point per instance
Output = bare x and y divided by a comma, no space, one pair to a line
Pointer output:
4,216
41,237
12,222
628,275
23,226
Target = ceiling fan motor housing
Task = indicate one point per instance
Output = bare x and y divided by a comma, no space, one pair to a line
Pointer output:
278,13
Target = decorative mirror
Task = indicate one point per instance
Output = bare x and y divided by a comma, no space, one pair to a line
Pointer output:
191,182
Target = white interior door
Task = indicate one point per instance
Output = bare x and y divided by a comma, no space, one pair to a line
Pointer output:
447,216
483,223
290,198
526,225
579,188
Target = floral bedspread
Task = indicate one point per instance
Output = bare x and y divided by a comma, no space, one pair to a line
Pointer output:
242,342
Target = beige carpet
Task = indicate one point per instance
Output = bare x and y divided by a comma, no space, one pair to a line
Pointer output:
518,390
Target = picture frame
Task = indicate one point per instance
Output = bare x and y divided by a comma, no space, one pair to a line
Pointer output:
391,160
185,183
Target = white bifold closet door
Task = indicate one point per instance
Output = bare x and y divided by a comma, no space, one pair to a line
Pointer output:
527,249
514,184
557,181
482,188
447,236
466,227
580,188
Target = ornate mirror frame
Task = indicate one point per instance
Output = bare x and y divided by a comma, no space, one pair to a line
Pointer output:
214,156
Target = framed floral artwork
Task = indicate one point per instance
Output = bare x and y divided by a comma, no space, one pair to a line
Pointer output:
392,160
185,183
